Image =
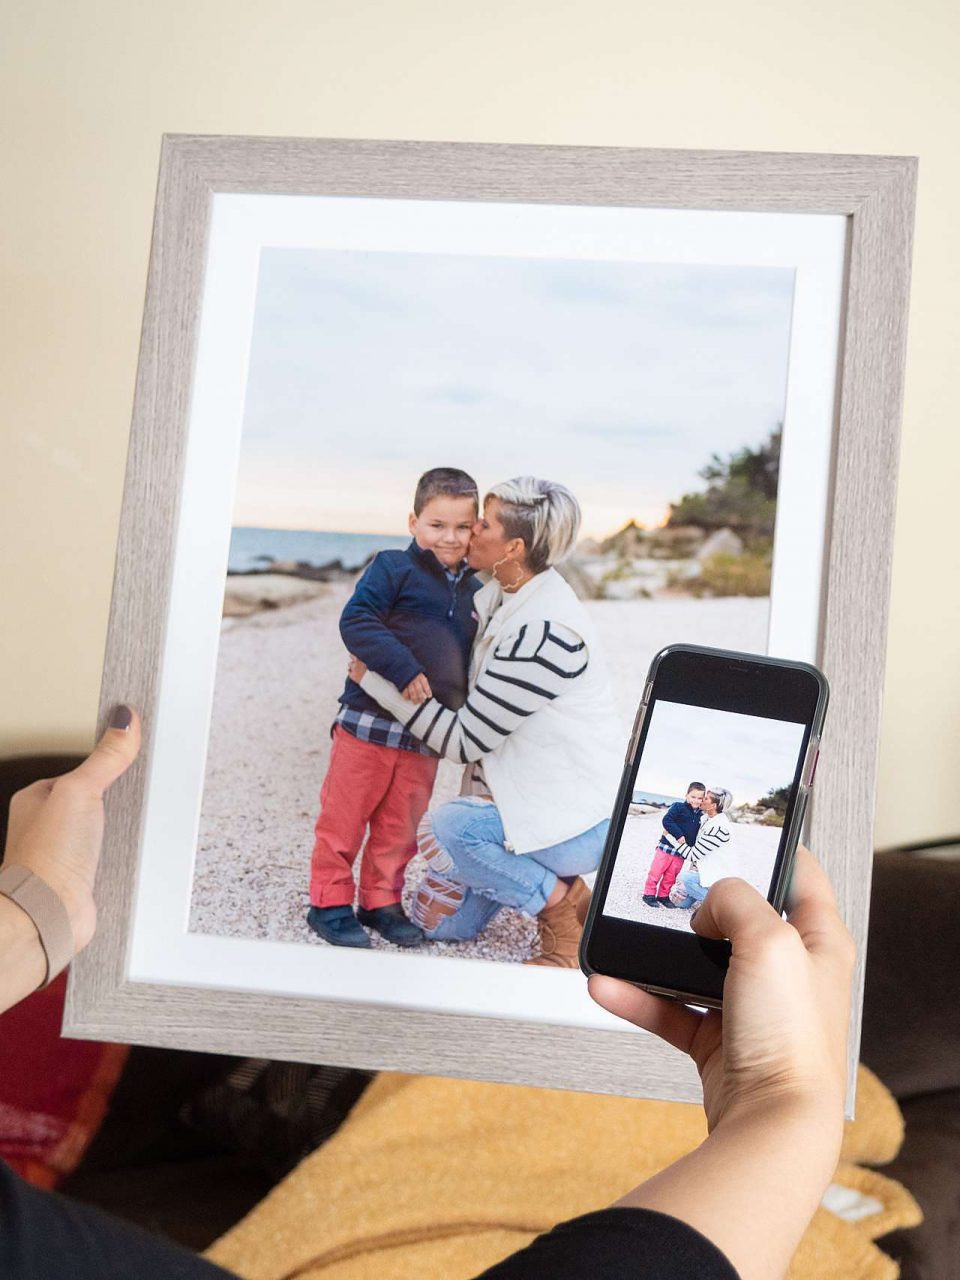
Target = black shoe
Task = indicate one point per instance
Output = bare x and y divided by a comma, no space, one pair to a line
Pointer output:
393,925
651,900
337,925
665,902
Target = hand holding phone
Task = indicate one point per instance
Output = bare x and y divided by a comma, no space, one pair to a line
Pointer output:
782,1034
772,1065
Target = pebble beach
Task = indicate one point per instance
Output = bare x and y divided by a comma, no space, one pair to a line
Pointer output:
281,667
750,855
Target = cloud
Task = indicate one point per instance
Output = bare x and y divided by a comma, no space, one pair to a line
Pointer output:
748,755
461,395
628,431
624,375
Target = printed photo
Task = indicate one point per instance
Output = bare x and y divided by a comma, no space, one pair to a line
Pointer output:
709,801
475,495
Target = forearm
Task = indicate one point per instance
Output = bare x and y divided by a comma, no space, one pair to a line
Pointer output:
753,1185
709,842
58,901
430,721
23,964
388,695
528,670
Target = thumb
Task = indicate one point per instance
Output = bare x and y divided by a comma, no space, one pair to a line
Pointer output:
114,753
734,909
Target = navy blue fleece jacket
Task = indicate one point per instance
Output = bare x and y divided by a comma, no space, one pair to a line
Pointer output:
681,820
405,618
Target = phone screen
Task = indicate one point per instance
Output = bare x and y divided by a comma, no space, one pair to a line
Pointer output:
708,799
715,784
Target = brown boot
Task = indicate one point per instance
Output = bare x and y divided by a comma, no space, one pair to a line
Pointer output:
579,895
559,931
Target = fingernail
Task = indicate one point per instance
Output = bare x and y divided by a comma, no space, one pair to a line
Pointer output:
121,717
693,914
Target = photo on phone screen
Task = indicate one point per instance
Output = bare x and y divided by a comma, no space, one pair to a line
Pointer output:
708,800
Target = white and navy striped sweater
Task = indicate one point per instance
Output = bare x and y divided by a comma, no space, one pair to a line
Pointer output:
714,834
540,713
527,670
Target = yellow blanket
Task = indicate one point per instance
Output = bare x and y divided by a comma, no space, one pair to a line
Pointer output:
442,1178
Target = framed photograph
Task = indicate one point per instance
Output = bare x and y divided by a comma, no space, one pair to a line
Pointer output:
456,415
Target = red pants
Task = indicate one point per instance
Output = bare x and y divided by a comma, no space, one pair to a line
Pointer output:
664,869
382,787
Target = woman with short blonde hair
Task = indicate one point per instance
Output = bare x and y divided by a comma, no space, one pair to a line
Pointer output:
545,515
721,798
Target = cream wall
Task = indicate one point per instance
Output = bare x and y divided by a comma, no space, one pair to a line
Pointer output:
86,90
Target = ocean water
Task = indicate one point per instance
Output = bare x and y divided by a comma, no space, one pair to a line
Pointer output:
252,548
654,797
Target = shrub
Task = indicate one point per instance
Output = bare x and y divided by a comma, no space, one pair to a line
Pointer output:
745,575
741,494
622,569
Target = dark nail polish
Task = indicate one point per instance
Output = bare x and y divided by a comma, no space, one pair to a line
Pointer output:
121,717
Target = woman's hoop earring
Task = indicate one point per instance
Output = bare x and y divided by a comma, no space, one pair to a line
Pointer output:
515,585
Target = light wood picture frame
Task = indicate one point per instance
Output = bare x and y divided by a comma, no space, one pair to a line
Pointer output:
874,195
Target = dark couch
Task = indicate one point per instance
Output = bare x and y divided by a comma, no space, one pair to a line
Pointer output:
192,1141
911,1040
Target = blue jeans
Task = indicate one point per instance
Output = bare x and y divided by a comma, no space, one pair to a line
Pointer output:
471,832
689,877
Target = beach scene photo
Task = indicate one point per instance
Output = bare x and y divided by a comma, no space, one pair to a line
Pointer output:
709,800
641,406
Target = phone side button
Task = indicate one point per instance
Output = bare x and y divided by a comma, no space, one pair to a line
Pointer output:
810,764
635,736
813,768
801,811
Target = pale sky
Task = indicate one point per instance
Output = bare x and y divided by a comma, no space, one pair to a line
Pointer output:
618,379
745,754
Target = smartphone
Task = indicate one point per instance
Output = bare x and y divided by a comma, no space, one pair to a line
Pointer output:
715,783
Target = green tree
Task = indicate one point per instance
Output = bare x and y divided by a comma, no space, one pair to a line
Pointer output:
741,494
759,468
776,799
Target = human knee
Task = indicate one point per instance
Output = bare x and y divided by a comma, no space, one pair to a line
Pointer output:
437,898
457,825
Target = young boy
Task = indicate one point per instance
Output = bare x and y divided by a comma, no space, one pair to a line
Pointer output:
410,619
681,825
